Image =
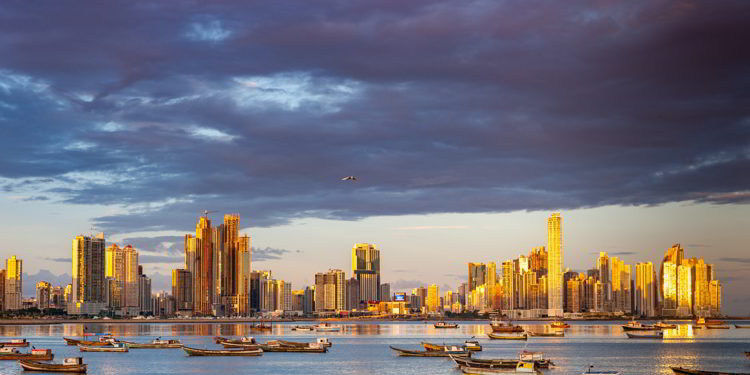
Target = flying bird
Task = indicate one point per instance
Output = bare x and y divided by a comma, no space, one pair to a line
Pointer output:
349,178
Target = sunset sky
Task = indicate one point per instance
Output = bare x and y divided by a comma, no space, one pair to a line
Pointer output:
467,124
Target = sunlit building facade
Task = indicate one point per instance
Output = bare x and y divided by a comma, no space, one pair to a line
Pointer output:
13,283
366,269
433,299
89,289
645,301
554,265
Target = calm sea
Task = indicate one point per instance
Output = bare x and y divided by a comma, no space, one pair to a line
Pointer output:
362,348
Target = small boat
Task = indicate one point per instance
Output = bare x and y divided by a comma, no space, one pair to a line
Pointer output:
741,326
636,326
484,363
536,357
684,371
74,342
505,327
662,325
472,345
278,348
704,322
155,344
559,324
520,368
117,347
591,371
322,341
645,335
12,354
469,345
327,327
247,340
74,364
303,328
449,351
546,334
493,336
717,326
442,324
237,345
260,327
18,343
195,352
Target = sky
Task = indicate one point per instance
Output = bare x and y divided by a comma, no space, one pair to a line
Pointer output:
466,123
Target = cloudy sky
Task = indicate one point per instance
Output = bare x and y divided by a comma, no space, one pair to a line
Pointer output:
466,122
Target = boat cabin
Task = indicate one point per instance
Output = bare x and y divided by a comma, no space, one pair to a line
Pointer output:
41,351
8,350
526,367
248,340
73,361
17,341
531,356
453,348
323,341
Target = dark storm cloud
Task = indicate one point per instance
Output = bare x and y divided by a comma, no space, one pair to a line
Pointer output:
485,106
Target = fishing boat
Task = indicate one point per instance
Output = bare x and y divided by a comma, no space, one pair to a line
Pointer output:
559,324
74,364
322,341
260,327
469,345
238,345
591,371
117,347
645,335
442,324
521,367
661,325
247,340
101,342
718,326
18,343
684,371
327,327
278,348
472,345
505,327
449,351
484,363
741,326
157,343
546,334
195,352
493,336
636,326
12,354
303,328
704,322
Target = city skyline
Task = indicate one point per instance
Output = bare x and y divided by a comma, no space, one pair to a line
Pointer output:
465,125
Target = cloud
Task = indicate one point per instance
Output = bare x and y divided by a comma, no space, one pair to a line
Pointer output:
270,253
144,259
36,198
735,260
61,260
159,244
402,284
438,107
623,253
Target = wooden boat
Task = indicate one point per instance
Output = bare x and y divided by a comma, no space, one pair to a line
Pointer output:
662,325
704,322
442,324
741,326
246,340
484,363
636,326
18,343
547,334
520,368
322,341
195,352
74,342
493,336
278,348
472,346
559,324
717,326
155,344
303,328
69,365
505,327
12,354
641,335
233,345
117,347
327,327
451,351
591,371
684,371
260,327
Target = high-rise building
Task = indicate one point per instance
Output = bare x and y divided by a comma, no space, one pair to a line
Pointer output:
701,296
199,261
182,291
89,289
352,294
668,280
684,289
385,292
230,261
714,292
144,293
366,269
645,301
554,265
308,304
284,299
2,290
121,271
43,290
433,298
509,292
56,297
13,283
255,290
330,290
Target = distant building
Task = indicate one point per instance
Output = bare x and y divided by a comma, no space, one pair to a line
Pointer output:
366,269
645,288
385,292
182,291
554,265
433,299
89,294
330,290
43,290
13,283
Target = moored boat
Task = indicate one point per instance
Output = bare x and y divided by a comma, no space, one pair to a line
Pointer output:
591,371
493,336
449,351
303,328
559,324
327,327
684,371
520,368
536,357
18,343
442,324
505,327
235,345
645,335
260,327
636,326
662,325
717,326
117,347
278,348
322,341
484,363
469,345
69,365
196,352
12,354
546,334
155,344
472,345
246,340
75,342
741,326
704,322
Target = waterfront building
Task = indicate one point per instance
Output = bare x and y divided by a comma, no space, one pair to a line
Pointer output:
13,283
2,290
668,281
714,291
330,290
366,269
433,299
554,265
43,291
89,289
385,292
199,261
182,291
255,288
701,296
352,294
284,300
308,306
56,297
144,292
121,271
684,289
645,301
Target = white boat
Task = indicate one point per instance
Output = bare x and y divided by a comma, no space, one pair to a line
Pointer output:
324,342
327,327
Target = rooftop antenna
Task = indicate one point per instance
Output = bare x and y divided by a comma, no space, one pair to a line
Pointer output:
206,212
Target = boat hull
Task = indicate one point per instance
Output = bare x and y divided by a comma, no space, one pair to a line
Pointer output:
135,345
741,326
546,334
487,371
506,329
645,328
292,349
195,352
102,349
429,353
51,367
641,336
234,345
684,371
15,344
74,342
493,336
28,356
496,363
715,326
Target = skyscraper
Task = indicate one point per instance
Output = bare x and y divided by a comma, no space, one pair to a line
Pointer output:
554,265
366,268
644,290
199,260
43,290
182,291
88,293
684,289
121,271
433,298
330,290
668,280
13,283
